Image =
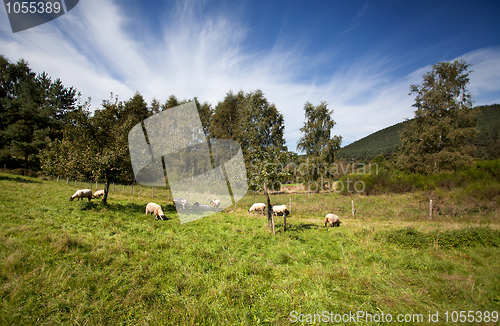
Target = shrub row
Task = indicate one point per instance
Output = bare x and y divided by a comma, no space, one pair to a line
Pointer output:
468,237
481,181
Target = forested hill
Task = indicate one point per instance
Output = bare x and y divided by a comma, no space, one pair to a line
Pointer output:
382,142
385,142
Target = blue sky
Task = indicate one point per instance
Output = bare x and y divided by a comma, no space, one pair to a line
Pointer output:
359,56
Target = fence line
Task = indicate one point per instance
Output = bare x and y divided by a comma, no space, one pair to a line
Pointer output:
142,191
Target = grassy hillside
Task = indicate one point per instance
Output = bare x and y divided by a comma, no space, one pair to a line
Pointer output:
81,263
382,142
385,141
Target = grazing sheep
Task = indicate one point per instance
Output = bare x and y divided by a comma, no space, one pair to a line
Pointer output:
216,203
258,207
332,219
82,193
181,202
156,210
202,207
280,210
98,193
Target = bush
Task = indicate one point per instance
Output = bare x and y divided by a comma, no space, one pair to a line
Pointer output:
469,237
491,167
480,181
407,238
486,190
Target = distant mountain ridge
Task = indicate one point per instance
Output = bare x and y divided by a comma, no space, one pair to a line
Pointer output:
385,142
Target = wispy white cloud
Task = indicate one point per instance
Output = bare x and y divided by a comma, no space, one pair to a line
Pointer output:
485,76
98,48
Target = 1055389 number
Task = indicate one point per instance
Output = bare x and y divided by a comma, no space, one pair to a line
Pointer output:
471,316
33,7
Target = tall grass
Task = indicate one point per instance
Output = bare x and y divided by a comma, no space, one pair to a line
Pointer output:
84,263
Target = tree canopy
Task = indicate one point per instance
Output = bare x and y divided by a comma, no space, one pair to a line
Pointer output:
259,128
33,110
318,143
44,126
95,146
435,140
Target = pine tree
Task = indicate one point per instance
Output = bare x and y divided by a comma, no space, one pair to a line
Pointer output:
33,109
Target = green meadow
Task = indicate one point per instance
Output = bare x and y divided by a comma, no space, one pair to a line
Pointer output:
84,263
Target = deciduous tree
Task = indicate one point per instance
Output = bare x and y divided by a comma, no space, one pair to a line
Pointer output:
259,128
317,143
96,146
435,140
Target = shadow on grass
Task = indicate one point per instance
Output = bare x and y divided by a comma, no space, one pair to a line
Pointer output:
298,227
169,209
100,206
19,179
128,208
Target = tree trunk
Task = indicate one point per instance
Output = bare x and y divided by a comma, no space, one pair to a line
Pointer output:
106,189
269,209
25,172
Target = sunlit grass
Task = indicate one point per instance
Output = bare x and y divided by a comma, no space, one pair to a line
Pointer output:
65,262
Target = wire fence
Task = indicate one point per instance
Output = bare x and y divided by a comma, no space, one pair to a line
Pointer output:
117,188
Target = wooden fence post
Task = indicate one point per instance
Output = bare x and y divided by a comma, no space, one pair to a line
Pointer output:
153,191
290,204
430,209
352,205
270,215
132,189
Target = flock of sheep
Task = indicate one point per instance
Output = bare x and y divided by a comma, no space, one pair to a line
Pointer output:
152,208
331,219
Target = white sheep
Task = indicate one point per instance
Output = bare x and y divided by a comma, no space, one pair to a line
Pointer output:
332,219
82,193
99,193
181,202
258,207
156,210
216,203
280,210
